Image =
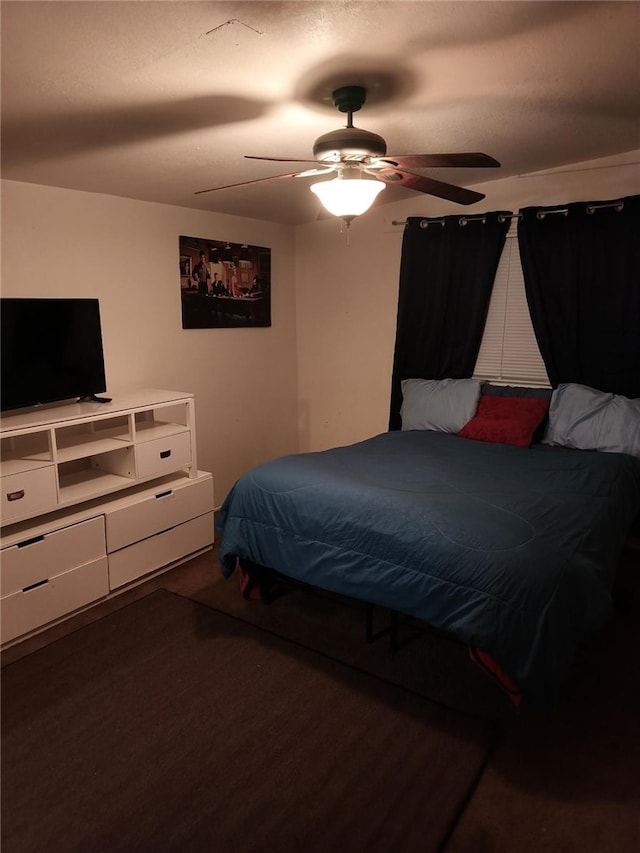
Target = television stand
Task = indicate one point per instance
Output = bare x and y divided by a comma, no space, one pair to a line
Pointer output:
96,498
91,398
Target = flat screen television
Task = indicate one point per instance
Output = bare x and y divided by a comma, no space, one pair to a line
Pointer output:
51,350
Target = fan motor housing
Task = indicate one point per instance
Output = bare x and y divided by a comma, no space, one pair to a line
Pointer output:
348,143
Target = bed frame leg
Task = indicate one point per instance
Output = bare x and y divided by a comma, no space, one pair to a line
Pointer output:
391,629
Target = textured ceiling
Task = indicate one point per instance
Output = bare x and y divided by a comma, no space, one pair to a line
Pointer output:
155,100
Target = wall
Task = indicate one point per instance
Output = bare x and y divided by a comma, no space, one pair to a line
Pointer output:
58,242
346,293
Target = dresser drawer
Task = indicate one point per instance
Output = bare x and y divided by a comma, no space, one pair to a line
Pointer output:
151,513
160,550
28,494
43,557
31,608
163,455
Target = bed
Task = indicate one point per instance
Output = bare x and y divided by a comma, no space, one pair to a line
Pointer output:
509,549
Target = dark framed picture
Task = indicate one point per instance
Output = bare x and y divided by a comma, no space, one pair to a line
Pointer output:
224,285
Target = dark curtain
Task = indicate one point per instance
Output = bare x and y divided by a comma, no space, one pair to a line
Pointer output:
446,275
581,266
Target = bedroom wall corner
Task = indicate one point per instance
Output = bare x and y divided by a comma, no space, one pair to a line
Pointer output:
346,315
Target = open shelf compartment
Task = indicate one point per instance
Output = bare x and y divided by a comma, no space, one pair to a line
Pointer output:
20,453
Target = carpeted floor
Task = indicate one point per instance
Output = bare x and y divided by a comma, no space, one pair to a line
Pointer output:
169,727
568,784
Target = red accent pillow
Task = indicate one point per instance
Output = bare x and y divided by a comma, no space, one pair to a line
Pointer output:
506,420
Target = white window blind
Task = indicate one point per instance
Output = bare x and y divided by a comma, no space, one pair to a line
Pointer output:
509,351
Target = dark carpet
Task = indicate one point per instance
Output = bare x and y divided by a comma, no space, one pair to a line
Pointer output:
167,726
426,662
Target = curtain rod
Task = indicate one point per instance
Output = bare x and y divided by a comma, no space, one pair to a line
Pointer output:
502,217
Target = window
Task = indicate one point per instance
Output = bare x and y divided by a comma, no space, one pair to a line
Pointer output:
509,351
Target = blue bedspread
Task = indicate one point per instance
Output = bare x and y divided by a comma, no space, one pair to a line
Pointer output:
510,550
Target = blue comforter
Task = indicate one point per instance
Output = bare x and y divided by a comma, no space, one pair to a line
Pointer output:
512,551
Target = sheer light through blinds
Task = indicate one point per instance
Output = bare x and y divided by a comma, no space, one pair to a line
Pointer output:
509,351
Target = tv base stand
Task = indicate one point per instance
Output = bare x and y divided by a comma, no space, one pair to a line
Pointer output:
95,497
91,398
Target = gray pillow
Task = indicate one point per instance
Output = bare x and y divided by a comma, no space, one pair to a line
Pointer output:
445,405
588,419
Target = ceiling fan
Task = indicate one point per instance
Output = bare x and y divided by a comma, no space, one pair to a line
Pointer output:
351,152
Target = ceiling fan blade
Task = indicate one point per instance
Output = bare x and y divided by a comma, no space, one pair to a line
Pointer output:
437,161
246,183
451,192
308,173
278,159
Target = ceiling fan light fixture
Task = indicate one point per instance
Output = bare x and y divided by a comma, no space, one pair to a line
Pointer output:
348,195
356,154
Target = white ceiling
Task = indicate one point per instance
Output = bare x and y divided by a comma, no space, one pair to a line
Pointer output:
155,100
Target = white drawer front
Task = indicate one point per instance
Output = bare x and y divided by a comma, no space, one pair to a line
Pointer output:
31,493
44,557
168,507
25,611
163,455
137,560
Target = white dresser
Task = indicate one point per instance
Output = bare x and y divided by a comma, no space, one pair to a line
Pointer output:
95,497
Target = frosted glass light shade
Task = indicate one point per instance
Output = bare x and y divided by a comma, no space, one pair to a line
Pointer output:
348,197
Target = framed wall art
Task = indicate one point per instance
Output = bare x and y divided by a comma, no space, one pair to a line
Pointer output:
224,285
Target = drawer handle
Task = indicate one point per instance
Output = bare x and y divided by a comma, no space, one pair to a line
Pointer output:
35,585
164,494
15,496
30,541
165,454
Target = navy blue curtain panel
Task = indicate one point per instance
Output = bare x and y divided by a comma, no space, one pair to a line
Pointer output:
447,270
581,267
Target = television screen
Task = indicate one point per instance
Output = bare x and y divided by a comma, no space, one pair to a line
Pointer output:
51,351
